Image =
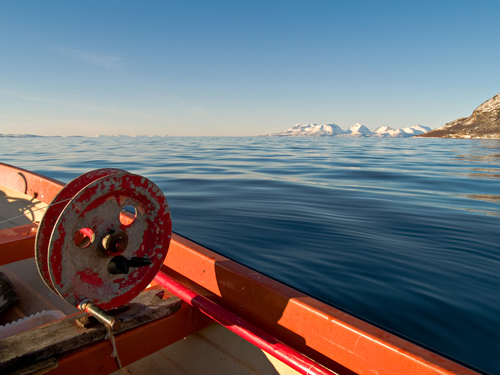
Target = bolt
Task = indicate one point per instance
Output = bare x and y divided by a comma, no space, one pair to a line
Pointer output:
115,243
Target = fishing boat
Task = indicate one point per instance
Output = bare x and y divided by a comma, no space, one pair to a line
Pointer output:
96,282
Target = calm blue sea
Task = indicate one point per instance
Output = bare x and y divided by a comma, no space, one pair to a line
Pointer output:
402,232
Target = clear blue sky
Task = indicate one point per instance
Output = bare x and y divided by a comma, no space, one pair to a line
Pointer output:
242,67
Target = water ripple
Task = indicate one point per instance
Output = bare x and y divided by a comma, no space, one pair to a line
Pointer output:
403,233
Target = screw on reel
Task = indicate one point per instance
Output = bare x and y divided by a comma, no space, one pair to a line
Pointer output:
108,242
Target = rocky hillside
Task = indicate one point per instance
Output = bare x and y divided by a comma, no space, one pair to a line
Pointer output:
483,123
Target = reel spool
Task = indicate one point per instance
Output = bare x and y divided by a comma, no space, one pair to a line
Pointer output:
104,246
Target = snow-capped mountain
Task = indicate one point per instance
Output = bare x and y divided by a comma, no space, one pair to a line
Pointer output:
386,131
416,130
357,130
312,130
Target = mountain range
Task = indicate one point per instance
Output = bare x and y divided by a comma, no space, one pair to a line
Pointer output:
78,136
357,130
19,136
484,122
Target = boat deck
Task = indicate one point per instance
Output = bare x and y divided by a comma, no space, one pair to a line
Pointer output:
213,350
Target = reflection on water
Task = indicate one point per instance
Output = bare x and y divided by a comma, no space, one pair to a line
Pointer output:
488,173
485,197
403,232
483,158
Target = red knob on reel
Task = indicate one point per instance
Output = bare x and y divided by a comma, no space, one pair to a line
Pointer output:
104,238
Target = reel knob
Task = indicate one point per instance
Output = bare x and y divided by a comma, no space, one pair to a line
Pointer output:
108,242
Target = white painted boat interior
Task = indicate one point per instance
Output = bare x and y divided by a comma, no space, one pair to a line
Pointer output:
212,351
17,208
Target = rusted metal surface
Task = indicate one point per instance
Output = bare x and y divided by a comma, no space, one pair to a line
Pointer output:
82,272
53,211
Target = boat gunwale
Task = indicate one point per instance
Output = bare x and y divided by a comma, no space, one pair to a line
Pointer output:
328,335
29,183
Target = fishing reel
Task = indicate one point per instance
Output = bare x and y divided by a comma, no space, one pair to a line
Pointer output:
103,238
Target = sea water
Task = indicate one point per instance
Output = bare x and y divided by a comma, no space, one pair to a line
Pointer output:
404,233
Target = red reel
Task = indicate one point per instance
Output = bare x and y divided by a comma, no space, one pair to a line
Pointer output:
108,243
52,214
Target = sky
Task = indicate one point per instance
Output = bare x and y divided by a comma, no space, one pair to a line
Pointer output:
242,68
